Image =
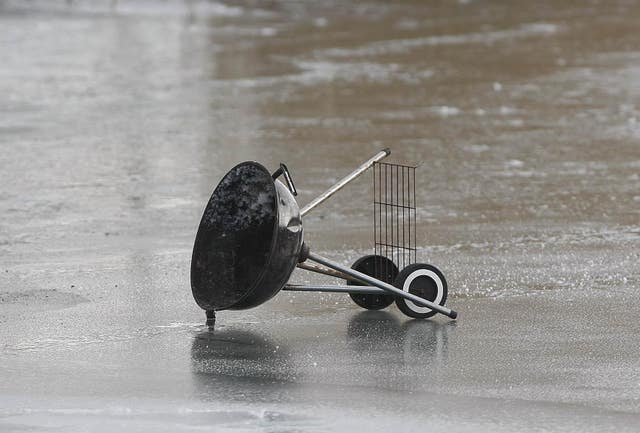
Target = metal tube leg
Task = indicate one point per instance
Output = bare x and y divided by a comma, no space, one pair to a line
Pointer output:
328,193
388,287
363,290
324,271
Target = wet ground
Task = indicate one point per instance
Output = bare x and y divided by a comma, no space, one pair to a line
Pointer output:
118,118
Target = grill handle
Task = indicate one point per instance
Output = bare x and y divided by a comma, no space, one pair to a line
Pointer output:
283,170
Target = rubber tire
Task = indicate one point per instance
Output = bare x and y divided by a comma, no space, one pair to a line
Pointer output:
367,265
428,292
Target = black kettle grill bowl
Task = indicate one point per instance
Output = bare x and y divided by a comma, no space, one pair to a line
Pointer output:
248,241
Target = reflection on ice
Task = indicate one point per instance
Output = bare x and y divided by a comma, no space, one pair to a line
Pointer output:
411,341
232,363
228,364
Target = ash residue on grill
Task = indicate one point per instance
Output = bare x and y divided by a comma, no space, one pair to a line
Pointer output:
235,237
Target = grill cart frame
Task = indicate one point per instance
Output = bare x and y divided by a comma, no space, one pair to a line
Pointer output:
250,239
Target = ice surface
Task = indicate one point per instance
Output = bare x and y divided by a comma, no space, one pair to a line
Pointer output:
118,118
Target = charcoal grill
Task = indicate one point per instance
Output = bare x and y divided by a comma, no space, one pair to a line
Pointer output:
250,240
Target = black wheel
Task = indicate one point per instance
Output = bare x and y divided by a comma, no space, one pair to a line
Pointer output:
378,267
421,280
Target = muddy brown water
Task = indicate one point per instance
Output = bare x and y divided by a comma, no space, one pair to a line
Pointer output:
118,118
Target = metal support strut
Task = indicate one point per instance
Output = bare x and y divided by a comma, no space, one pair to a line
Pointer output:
345,180
361,290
